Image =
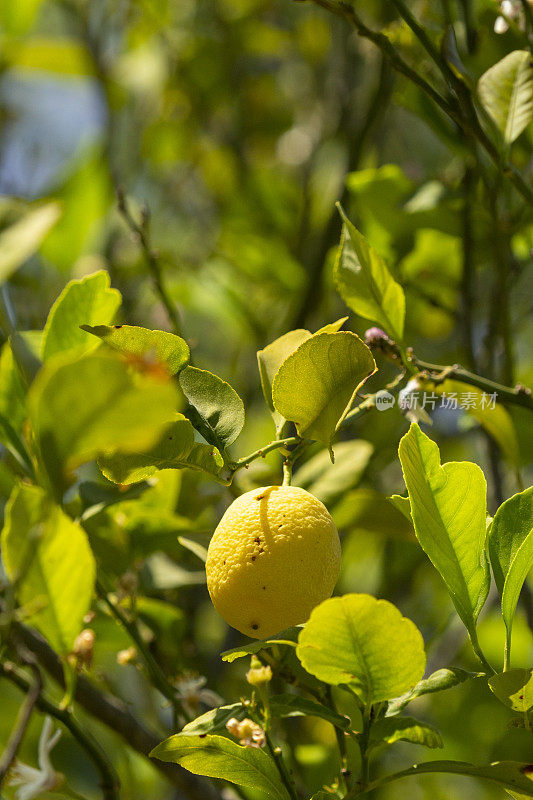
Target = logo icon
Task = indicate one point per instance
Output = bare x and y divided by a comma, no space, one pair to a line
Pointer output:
384,400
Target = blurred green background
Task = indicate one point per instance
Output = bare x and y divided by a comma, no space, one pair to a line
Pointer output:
238,124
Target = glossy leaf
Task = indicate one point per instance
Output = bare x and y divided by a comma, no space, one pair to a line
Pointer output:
438,681
404,729
47,557
176,449
88,300
365,283
365,643
506,91
326,480
219,410
218,757
164,348
511,550
448,506
23,238
80,409
316,385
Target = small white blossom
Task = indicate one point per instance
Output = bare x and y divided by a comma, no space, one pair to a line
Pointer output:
191,693
33,782
248,732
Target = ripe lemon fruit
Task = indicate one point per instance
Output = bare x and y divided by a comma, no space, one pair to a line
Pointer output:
274,556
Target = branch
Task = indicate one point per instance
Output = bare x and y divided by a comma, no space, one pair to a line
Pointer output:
23,718
109,780
113,713
519,396
140,231
470,125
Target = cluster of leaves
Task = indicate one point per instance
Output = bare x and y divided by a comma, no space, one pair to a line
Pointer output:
114,442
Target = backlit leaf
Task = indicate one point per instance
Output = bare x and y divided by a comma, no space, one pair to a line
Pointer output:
88,300
48,558
365,643
511,550
448,506
81,409
316,385
506,91
365,283
164,348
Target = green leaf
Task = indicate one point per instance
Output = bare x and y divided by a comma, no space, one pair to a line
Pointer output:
514,688
365,643
219,409
365,283
81,409
506,92
194,547
448,506
438,681
164,348
21,240
12,393
287,637
176,449
509,774
511,525
316,385
87,300
326,480
404,729
511,550
402,504
214,720
292,705
218,757
270,360
47,557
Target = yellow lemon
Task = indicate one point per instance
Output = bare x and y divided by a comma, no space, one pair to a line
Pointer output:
274,556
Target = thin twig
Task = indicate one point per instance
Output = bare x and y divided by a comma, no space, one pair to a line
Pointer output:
519,396
151,257
23,719
159,678
109,780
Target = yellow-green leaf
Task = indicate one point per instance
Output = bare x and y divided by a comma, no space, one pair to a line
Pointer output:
316,385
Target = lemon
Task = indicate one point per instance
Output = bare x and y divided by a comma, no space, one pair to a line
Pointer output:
274,556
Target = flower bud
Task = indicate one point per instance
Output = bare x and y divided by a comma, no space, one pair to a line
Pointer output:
258,674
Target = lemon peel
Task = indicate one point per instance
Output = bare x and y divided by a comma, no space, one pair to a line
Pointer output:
274,556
